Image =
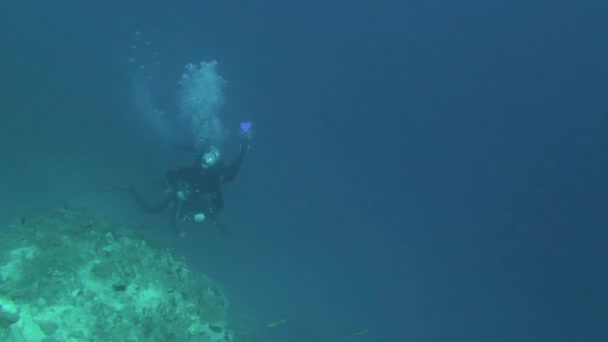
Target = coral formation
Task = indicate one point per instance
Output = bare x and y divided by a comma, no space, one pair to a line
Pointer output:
72,276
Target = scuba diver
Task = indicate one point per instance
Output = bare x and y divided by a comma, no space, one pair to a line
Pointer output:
195,193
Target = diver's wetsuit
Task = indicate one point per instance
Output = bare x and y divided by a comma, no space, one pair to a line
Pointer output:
202,188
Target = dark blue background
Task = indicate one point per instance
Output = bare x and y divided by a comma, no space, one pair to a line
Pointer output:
430,171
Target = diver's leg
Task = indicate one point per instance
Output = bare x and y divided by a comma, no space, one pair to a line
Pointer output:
174,216
146,207
220,226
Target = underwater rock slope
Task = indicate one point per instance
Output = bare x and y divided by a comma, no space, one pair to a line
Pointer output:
71,276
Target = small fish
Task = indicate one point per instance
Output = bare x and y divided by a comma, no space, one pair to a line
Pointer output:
358,332
277,323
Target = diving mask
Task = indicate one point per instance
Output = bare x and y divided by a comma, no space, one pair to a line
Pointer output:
210,158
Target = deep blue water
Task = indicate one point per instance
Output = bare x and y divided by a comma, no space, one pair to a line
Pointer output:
427,170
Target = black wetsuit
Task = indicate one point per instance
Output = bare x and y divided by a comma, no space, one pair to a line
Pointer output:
201,187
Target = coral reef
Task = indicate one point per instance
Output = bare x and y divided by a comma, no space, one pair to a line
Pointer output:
73,276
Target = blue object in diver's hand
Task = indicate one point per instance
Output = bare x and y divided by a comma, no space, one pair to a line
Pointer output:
245,127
